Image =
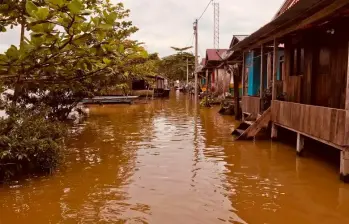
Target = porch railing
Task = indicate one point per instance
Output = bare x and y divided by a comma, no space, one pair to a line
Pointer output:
321,122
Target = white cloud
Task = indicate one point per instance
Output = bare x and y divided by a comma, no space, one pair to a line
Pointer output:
165,23
8,38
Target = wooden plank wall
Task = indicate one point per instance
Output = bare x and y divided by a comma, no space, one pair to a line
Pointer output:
251,104
292,87
279,88
321,122
292,84
329,89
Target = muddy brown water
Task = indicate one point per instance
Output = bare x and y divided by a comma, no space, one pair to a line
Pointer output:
166,162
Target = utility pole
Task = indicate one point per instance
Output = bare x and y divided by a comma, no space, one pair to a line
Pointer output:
187,71
196,60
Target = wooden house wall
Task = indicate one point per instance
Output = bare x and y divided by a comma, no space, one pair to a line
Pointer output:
291,84
313,87
329,89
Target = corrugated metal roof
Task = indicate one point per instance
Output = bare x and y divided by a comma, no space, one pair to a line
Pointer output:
214,54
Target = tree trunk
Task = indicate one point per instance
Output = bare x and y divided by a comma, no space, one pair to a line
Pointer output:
18,86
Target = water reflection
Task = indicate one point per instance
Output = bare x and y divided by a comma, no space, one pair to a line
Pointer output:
170,162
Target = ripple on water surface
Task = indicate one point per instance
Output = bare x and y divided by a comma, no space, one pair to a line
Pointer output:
165,162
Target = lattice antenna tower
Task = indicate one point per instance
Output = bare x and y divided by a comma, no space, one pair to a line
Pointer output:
216,25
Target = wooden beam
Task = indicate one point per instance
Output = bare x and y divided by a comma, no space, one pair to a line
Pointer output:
347,104
243,74
234,62
269,71
307,86
261,74
206,81
327,11
275,65
236,78
313,137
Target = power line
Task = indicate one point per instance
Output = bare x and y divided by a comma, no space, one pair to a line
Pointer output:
208,5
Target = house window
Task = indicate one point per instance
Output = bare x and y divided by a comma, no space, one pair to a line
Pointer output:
324,61
297,61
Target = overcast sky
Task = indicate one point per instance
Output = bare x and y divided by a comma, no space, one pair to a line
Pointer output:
166,23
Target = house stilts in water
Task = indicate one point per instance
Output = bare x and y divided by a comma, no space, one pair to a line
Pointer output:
301,56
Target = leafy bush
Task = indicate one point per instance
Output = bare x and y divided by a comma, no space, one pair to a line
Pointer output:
29,142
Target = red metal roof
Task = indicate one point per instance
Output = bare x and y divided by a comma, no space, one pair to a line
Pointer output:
203,61
214,54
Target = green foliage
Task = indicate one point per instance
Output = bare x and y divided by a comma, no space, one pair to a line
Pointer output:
174,66
29,142
75,49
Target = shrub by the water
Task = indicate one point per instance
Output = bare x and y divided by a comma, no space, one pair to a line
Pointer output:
29,143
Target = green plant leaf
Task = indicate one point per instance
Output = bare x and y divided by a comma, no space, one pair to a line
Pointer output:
60,3
106,61
42,13
31,8
12,52
75,6
105,26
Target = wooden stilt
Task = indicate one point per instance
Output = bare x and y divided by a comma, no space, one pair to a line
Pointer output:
274,132
300,144
344,169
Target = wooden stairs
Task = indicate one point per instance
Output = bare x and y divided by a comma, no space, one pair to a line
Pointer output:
249,129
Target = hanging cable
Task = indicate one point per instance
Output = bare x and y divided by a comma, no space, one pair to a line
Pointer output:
205,9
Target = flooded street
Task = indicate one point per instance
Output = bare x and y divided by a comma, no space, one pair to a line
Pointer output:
165,162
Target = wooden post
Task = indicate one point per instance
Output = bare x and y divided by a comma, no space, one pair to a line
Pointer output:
269,71
243,74
275,65
236,78
274,131
344,167
300,144
308,73
261,78
347,105
206,82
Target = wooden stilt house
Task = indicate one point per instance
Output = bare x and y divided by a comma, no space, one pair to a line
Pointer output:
312,75
218,78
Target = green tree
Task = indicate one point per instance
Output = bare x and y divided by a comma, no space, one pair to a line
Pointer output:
73,49
174,66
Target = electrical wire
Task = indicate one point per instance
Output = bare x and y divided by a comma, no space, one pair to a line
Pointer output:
205,9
